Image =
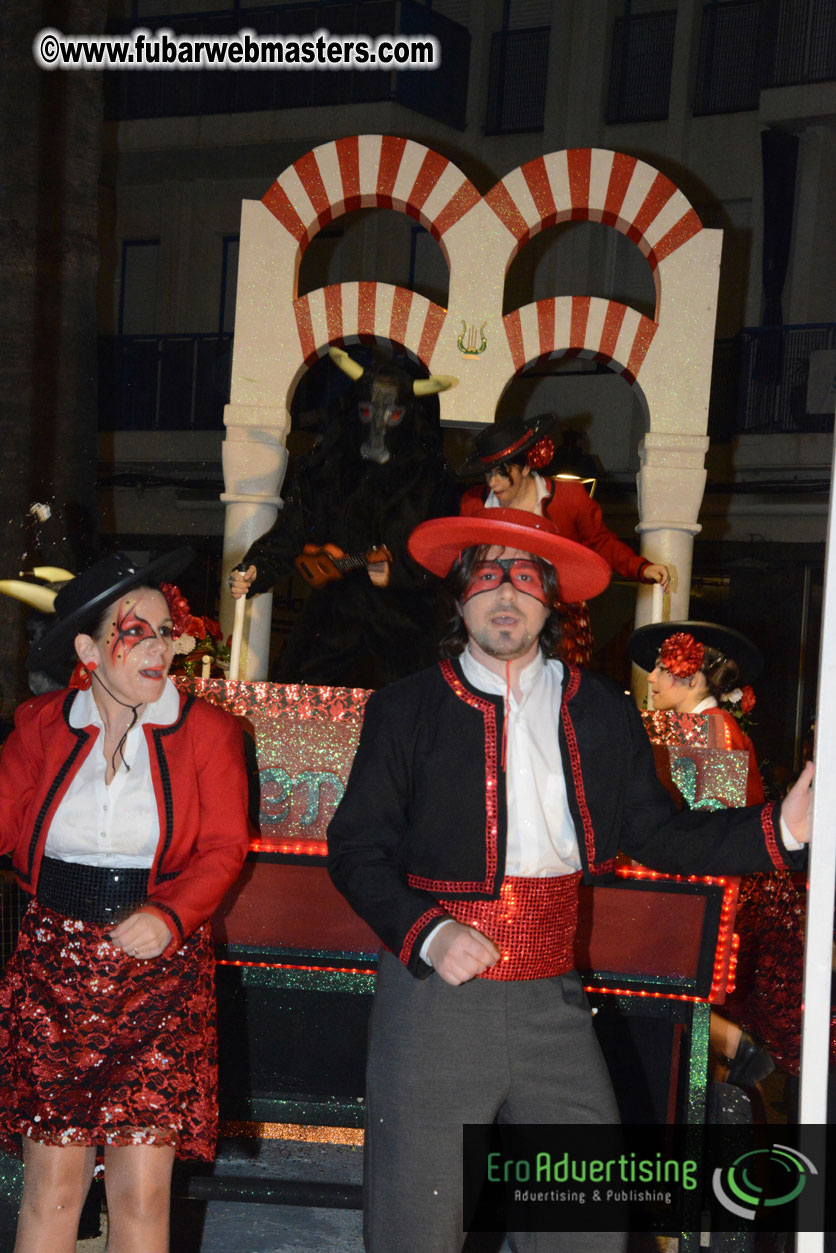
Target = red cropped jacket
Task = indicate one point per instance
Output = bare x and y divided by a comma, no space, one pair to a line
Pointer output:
200,784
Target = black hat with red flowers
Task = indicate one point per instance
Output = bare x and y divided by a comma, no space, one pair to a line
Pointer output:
91,591
504,441
645,644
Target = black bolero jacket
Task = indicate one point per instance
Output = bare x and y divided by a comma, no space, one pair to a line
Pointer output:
423,816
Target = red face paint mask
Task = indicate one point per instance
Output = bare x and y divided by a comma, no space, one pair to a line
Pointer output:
522,573
130,630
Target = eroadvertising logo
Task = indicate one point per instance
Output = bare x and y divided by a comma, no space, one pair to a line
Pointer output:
762,1179
647,1178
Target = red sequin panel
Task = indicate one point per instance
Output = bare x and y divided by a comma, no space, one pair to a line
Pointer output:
664,727
305,741
99,1048
492,778
532,924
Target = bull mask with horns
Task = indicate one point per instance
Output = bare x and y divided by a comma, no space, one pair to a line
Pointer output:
383,405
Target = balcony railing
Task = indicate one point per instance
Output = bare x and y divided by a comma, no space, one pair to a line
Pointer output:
766,379
440,93
640,68
163,382
517,81
747,45
774,379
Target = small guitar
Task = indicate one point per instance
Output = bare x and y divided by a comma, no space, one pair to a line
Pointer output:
321,564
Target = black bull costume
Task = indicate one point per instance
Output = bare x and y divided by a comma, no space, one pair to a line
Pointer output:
376,472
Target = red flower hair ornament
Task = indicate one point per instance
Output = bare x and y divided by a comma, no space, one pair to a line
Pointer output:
681,655
540,454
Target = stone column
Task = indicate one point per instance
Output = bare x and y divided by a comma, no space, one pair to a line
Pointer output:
671,483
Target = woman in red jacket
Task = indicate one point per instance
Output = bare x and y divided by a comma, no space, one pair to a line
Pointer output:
123,804
509,455
693,667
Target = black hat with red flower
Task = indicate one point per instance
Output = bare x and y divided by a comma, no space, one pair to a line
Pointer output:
685,641
91,591
504,441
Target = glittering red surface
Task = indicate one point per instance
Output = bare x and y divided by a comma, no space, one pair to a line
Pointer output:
532,924
770,974
98,1047
305,740
294,700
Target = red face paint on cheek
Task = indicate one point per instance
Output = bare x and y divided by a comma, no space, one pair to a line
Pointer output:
129,631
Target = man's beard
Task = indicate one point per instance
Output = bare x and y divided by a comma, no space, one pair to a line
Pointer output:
501,645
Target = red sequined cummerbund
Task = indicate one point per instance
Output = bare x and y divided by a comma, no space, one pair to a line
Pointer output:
532,924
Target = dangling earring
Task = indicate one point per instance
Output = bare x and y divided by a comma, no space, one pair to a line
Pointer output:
82,676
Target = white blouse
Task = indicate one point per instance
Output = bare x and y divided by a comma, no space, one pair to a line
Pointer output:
115,824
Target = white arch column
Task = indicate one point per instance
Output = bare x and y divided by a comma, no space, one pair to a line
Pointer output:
254,458
671,483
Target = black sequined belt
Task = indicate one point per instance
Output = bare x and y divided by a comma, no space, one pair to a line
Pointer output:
101,894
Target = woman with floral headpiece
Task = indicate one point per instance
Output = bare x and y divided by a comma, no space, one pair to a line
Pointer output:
511,456
699,667
703,668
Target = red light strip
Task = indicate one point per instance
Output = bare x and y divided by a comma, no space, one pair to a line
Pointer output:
317,848
336,970
656,996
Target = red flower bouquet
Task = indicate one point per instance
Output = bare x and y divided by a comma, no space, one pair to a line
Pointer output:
195,638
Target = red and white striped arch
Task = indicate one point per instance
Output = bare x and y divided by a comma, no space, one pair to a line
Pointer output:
571,325
369,313
370,171
596,185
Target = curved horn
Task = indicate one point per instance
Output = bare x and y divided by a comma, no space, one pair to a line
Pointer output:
348,366
435,383
50,574
42,598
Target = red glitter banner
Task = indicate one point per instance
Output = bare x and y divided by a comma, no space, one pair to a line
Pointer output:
305,740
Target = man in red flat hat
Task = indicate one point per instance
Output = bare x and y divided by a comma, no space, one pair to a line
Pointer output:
483,790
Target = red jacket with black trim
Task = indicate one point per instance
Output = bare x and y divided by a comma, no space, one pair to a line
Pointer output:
576,516
423,816
200,784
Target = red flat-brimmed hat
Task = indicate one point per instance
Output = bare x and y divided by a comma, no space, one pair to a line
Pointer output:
581,573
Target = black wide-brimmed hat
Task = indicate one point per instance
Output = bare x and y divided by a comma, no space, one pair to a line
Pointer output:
581,573
644,644
93,590
501,441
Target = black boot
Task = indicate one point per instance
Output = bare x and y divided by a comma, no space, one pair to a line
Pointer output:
751,1063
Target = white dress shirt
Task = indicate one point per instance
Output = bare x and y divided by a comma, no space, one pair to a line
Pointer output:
115,824
541,841
541,837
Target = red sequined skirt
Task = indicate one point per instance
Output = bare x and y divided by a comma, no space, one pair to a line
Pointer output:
771,917
98,1048
533,925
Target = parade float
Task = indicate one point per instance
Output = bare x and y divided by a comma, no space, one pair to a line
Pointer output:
296,966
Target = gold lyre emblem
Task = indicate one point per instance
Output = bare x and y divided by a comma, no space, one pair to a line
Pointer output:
472,341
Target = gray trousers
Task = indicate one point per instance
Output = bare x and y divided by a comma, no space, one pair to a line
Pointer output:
441,1056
